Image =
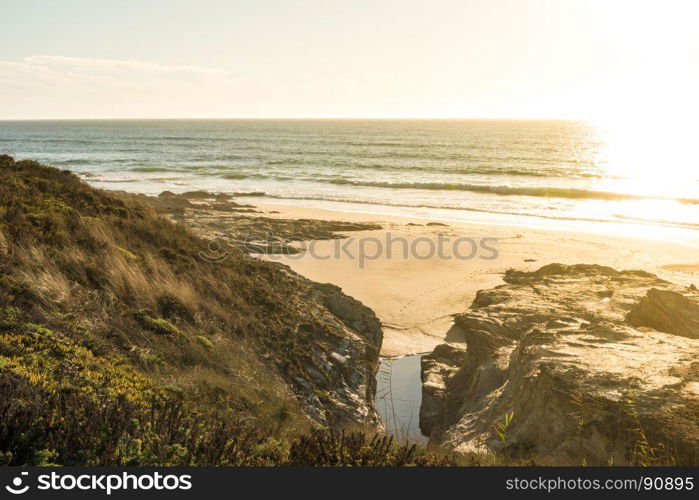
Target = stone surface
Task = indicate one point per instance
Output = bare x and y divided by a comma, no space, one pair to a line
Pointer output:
345,357
592,365
667,311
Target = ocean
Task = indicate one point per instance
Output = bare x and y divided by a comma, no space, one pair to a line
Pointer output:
462,169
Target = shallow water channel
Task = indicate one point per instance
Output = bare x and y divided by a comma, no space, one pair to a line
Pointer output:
399,396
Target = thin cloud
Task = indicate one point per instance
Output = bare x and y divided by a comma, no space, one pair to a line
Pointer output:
52,85
44,69
60,63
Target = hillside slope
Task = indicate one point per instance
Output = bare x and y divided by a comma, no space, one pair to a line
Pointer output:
112,325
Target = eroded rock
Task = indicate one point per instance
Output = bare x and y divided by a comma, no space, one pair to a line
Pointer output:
667,311
592,365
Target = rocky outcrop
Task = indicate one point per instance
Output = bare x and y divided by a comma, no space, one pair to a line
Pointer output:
570,365
339,386
242,226
667,311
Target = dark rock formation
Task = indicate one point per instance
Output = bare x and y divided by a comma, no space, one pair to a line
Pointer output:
342,370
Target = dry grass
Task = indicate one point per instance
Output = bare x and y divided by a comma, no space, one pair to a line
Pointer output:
128,284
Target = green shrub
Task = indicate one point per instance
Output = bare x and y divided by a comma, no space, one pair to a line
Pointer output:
204,342
156,325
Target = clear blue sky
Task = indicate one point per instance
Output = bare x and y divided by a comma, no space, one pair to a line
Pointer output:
177,58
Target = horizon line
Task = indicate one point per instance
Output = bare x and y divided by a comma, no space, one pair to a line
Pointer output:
341,117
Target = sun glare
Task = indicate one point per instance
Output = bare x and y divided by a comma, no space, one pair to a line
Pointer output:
645,108
651,158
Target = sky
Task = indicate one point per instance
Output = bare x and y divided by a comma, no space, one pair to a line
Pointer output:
598,60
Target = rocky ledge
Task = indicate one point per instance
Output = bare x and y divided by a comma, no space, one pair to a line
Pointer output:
338,381
570,365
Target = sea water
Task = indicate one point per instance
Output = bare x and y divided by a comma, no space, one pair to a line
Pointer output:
547,170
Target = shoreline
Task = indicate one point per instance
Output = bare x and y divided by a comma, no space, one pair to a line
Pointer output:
682,235
660,230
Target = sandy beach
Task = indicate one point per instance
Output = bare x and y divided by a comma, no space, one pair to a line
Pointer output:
414,297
